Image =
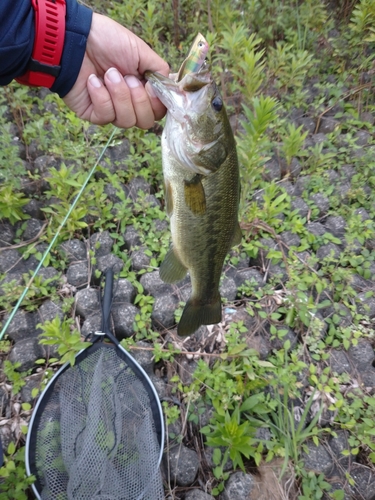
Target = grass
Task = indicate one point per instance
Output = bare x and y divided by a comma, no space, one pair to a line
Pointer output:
274,61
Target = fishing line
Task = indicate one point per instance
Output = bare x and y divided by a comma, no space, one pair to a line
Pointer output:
72,207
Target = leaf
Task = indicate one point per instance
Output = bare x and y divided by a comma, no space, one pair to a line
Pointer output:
251,402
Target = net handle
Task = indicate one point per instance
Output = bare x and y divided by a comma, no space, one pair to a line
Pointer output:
106,300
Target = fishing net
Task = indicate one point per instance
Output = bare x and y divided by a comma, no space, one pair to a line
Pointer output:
97,432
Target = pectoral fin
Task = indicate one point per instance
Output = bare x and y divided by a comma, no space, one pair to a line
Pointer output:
168,198
195,197
237,236
172,269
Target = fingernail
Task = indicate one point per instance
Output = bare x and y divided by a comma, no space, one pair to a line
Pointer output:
150,90
132,81
113,75
95,82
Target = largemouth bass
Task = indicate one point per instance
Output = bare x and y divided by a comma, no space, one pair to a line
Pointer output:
201,184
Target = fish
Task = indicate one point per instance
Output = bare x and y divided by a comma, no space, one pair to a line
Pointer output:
201,188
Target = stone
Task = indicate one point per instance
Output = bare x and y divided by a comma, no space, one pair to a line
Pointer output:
249,276
48,311
228,288
329,251
136,185
123,291
154,285
73,250
238,486
360,284
198,495
34,209
363,214
208,453
279,340
32,229
183,464
319,138
317,458
77,274
343,316
321,203
132,238
25,352
101,243
144,357
163,311
338,445
261,259
290,239
339,362
364,479
272,170
22,326
92,324
277,272
48,273
10,260
368,379
308,124
32,382
362,354
10,282
301,185
328,124
336,225
362,137
186,370
87,302
300,206
7,234
109,261
116,194
123,318
161,386
366,304
316,228
139,259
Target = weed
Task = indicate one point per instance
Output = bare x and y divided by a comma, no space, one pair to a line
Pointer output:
15,482
14,376
68,341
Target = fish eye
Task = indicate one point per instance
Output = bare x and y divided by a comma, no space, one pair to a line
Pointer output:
217,103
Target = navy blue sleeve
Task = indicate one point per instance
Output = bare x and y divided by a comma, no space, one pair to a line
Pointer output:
17,39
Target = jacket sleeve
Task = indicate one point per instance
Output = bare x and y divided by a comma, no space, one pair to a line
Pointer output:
17,34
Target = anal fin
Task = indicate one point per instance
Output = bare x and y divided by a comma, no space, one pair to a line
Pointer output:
172,269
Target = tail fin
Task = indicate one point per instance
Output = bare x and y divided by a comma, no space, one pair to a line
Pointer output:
197,313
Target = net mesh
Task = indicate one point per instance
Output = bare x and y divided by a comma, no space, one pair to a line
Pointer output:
96,437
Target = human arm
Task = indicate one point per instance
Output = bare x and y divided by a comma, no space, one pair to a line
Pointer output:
93,45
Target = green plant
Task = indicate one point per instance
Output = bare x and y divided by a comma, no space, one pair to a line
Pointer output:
292,142
14,483
11,203
14,376
227,429
61,334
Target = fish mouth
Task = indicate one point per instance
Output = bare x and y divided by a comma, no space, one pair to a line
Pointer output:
172,93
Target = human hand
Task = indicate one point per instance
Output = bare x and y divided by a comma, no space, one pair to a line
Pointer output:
101,94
